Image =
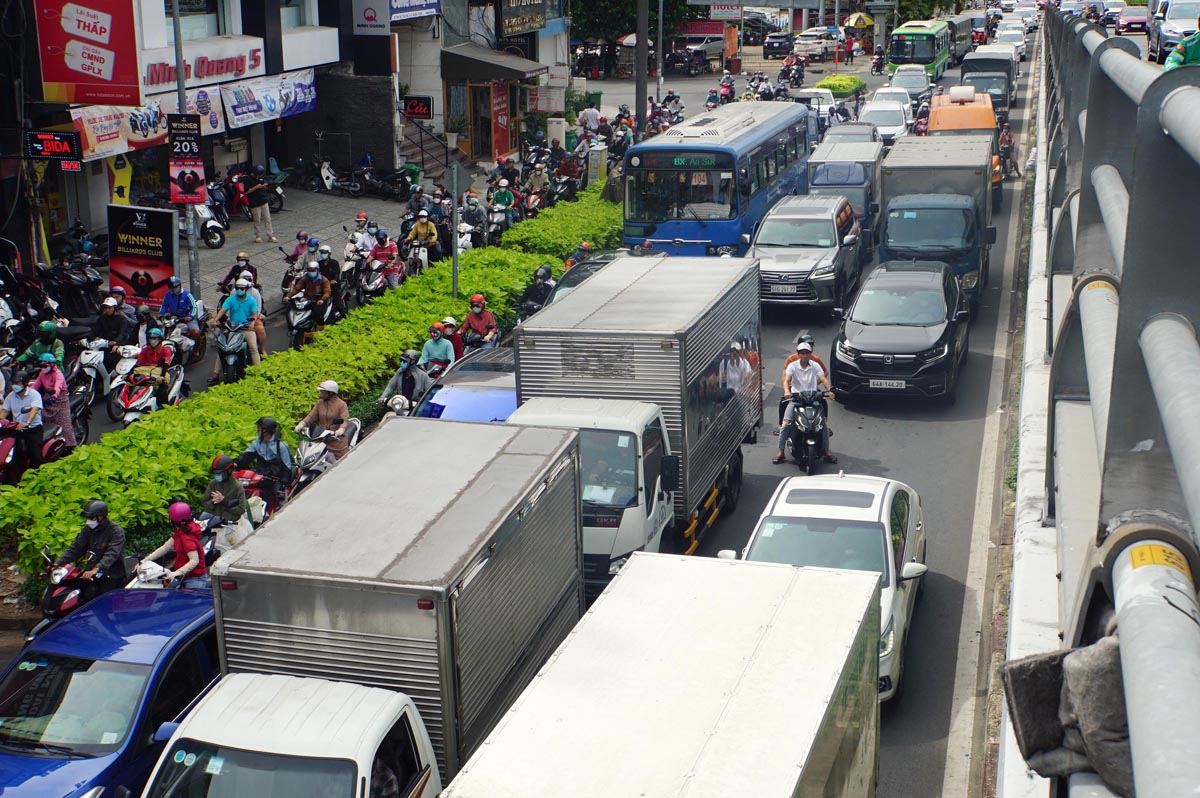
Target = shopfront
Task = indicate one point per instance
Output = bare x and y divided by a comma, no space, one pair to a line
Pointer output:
484,88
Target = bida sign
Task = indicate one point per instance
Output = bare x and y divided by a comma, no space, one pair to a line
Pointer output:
143,250
88,51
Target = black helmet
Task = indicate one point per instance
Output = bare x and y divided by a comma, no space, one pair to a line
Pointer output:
222,462
543,272
410,356
95,509
267,424
806,339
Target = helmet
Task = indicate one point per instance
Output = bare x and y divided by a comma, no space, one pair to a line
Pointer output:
267,424
503,183
418,190
222,462
116,290
805,339
95,509
173,281
472,200
109,302
381,235
180,512
242,282
623,109
604,119
243,256
314,242
423,214
585,246
258,169
301,235
410,356
543,272
361,216
328,385
154,332
248,277
510,159
478,299
143,310
449,321
46,357
714,88
325,248
437,327
312,266
46,327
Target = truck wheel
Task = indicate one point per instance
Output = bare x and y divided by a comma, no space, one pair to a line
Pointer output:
733,485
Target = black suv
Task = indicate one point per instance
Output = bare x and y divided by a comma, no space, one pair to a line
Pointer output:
778,45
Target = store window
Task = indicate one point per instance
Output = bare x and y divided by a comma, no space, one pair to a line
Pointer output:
294,14
198,19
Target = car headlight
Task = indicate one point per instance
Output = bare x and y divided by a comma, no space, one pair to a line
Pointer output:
969,280
846,352
935,354
722,250
824,268
616,565
887,641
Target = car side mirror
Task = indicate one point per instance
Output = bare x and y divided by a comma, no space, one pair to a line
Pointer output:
850,240
164,732
726,554
668,471
874,208
962,315
989,235
913,570
1160,16
745,238
121,791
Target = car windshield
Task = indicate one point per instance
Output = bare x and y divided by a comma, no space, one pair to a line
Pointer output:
69,705
194,769
657,195
1011,36
796,233
910,50
1069,6
1129,12
948,228
1188,11
609,467
1113,5
903,307
468,403
992,85
910,80
896,95
822,543
883,117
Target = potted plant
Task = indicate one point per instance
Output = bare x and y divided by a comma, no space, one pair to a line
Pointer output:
454,126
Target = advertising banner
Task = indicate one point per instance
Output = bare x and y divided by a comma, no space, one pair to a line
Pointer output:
371,18
88,51
107,130
724,12
500,118
521,16
701,28
411,9
183,159
272,97
418,106
143,247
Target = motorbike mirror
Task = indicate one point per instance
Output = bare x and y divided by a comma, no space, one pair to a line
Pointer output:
669,472
837,313
164,732
989,235
726,554
745,238
281,249
344,230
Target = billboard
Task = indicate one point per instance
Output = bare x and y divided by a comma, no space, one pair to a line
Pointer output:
143,248
88,51
411,9
272,97
184,164
108,130
521,16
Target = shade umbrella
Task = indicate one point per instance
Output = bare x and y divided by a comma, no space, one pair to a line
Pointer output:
630,40
859,20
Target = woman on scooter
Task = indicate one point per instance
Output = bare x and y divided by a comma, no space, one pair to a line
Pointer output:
330,413
188,571
56,399
480,323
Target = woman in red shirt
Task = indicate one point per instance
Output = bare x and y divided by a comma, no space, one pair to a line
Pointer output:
188,570
481,322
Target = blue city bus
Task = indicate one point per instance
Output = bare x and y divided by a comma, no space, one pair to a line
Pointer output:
701,186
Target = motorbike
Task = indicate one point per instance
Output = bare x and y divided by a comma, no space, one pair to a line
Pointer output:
235,193
233,351
351,183
217,199
14,466
79,241
210,231
804,434
370,281
81,415
139,394
1006,159
877,64
535,201
296,268
64,594
74,284
312,452
304,317
117,379
921,126
497,218
537,154
416,258
564,189
252,482
174,328
725,92
98,380
466,236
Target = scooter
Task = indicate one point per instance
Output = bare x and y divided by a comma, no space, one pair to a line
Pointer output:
497,218
304,317
216,203
81,415
139,394
74,284
416,259
209,230
14,466
351,183
296,268
312,452
235,192
466,236
804,434
64,594
252,483
369,282
1006,159
233,351
877,64
536,201
78,241
564,189
117,377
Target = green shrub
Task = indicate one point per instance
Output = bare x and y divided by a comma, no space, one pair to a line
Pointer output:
168,453
842,85
557,231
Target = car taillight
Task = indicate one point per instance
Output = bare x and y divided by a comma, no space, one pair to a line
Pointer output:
424,604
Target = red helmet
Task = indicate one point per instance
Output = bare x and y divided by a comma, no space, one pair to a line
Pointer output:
361,216
179,513
478,299
604,119
585,246
222,462
301,235
437,327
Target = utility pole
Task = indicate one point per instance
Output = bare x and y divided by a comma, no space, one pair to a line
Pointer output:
641,57
658,51
189,210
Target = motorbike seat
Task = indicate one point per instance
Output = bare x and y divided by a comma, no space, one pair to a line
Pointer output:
50,431
77,330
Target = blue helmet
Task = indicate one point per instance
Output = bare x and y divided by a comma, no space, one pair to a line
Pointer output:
46,357
154,332
173,281
314,242
382,233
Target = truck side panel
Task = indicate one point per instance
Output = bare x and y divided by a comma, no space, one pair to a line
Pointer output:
510,613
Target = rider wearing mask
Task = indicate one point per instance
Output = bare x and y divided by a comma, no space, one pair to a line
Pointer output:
437,349
240,308
154,360
47,339
508,171
271,457
366,243
313,285
242,264
24,406
331,270
126,310
537,291
453,336
329,413
388,253
224,497
604,129
408,381
188,570
260,329
1007,138
56,399
473,214
179,302
503,199
146,320
568,167
106,540
557,153
417,202
538,180
481,322
300,248
425,231
714,96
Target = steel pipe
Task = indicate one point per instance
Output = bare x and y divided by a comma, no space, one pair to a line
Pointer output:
1098,308
1091,39
1180,118
1131,75
1083,125
1172,357
1158,624
1113,199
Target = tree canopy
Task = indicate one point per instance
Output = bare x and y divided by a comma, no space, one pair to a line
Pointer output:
610,19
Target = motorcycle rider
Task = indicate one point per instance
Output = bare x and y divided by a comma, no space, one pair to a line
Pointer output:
330,413
360,221
672,102
840,113
536,292
473,215
154,361
270,455
47,338
582,253
583,146
804,375
242,264
56,399
765,90
1008,139
568,167
417,201
106,540
241,309
24,407
146,320
408,381
126,310
426,232
625,115
260,329
315,288
714,97
792,358
188,570
557,153
110,325
224,497
437,349
300,248
480,322
604,129
386,252
366,241
623,140
453,336
179,302
331,270
537,180
504,200
510,172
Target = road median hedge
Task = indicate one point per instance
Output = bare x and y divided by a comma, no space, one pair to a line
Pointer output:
557,231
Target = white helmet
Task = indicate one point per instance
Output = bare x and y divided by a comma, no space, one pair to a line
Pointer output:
247,276
328,385
242,283
449,321
503,183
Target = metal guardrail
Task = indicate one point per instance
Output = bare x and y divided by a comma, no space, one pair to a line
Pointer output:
1122,441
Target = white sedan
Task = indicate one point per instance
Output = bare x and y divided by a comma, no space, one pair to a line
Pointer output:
895,95
888,117
858,523
1014,37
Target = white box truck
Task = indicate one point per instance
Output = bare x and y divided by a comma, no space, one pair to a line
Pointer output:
700,678
656,360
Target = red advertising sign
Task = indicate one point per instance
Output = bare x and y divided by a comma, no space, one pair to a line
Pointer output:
500,117
183,159
143,250
701,28
88,51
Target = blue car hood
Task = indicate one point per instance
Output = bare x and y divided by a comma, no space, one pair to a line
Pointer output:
49,777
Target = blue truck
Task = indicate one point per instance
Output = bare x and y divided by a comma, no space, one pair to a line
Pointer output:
937,205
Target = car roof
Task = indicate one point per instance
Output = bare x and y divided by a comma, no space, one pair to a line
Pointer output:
881,105
795,206
133,626
483,367
910,68
803,488
915,273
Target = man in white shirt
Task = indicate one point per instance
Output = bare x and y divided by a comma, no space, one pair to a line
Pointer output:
804,375
589,118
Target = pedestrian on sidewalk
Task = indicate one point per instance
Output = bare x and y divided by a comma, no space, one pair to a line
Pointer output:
260,213
850,49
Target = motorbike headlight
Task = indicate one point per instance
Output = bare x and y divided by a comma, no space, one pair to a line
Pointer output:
969,280
935,354
846,352
57,575
887,641
616,565
722,250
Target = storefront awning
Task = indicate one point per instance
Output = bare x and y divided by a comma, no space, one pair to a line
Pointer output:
474,62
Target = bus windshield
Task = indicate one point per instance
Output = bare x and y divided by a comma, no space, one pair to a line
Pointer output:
908,49
658,195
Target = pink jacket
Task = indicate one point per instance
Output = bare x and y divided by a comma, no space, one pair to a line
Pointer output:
51,383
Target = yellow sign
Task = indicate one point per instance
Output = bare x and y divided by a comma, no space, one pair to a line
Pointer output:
1158,554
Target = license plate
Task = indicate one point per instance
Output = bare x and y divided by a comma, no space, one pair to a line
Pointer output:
888,384
783,289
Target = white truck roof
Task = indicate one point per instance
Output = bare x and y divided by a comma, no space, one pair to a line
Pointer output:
683,666
584,413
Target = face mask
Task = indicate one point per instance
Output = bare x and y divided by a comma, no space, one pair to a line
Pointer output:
313,275
220,477
477,308
372,230
47,366
243,263
404,365
19,387
324,256
92,523
312,249
241,292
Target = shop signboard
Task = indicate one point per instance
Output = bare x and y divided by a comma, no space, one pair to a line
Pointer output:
184,163
272,97
418,106
548,100
724,12
411,9
52,145
88,51
701,28
521,16
205,62
500,117
143,248
107,130
371,18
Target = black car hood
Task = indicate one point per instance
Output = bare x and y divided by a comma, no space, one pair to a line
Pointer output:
892,339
